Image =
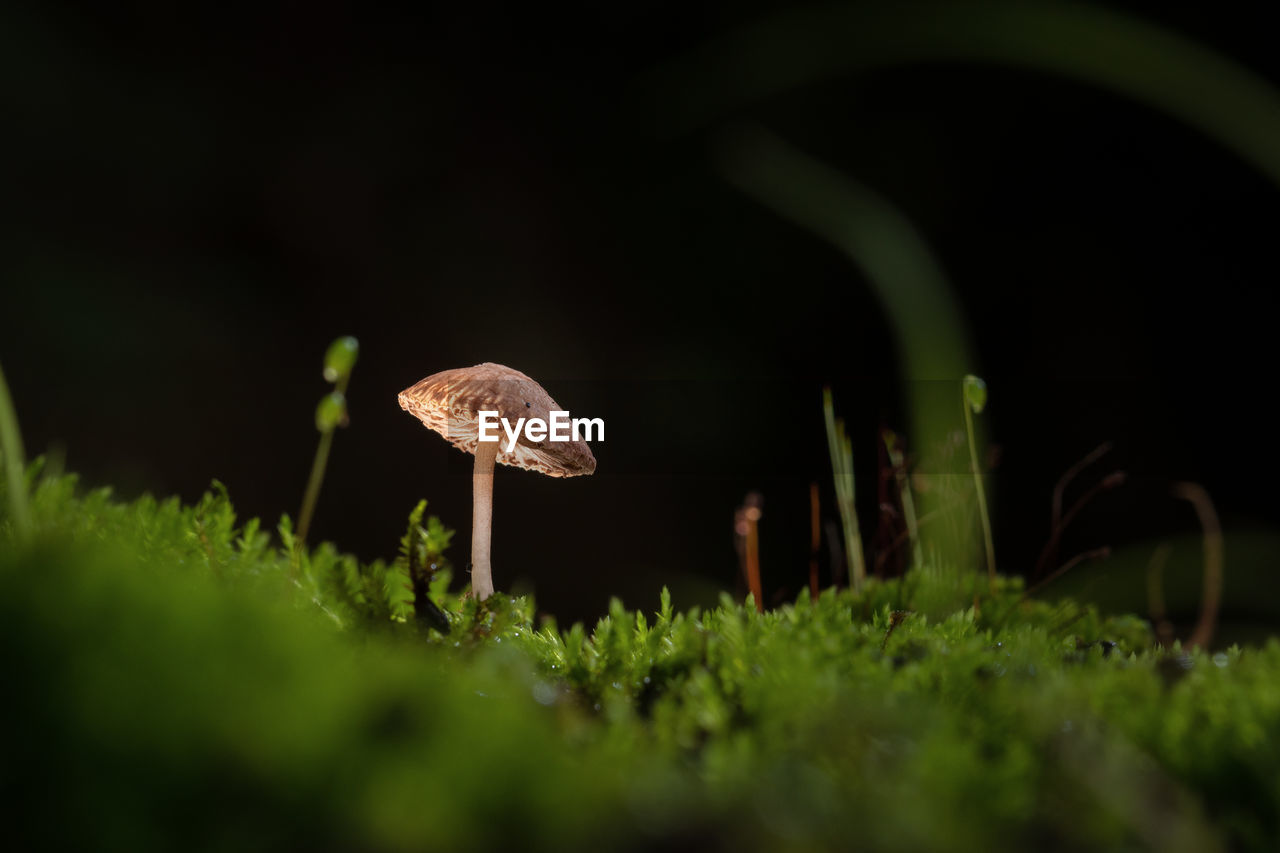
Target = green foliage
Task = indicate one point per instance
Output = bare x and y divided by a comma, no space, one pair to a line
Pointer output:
421,560
422,548
172,684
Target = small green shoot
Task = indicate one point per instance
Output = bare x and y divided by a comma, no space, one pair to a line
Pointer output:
330,414
842,466
421,557
975,400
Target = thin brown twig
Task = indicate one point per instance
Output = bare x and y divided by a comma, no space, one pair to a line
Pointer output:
902,537
1112,481
1072,615
1070,474
1094,554
746,528
1211,599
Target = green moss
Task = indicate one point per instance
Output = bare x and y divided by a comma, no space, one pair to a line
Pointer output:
171,685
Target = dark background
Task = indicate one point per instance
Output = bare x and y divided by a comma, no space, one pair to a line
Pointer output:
199,199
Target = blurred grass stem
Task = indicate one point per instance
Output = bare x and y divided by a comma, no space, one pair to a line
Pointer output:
841,449
14,460
1084,42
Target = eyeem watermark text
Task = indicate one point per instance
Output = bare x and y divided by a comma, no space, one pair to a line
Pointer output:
560,428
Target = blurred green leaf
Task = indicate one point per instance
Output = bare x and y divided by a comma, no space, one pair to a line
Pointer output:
1115,51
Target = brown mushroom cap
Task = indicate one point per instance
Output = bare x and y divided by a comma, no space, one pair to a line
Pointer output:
450,403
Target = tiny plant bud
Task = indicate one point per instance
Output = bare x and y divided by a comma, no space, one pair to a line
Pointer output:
340,358
975,393
331,412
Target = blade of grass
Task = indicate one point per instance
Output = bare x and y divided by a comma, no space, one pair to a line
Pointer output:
841,449
899,265
14,460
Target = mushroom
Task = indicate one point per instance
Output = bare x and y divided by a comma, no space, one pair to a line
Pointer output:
450,403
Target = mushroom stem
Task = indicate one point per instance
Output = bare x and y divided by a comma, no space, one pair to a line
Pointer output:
482,520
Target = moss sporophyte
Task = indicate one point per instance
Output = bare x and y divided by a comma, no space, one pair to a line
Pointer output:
331,413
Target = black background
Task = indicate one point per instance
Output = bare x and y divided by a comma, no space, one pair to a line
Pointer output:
199,199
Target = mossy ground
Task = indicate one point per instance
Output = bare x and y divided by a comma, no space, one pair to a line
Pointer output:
176,680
